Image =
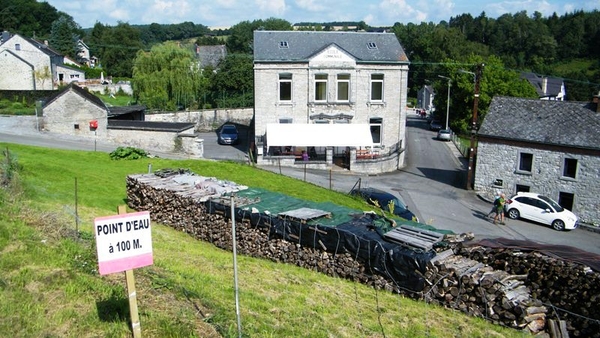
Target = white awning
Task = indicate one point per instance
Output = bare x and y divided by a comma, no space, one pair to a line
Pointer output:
319,135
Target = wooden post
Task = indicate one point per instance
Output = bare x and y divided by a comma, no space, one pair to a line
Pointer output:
130,279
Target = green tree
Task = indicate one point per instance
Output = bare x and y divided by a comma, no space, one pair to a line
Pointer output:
64,35
94,40
242,35
495,80
120,45
232,85
27,17
166,77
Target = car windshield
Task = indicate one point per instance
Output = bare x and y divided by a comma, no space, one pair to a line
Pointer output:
229,130
554,205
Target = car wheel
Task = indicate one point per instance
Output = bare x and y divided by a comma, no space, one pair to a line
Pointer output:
558,225
513,214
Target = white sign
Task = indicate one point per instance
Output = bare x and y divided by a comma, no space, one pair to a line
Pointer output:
123,242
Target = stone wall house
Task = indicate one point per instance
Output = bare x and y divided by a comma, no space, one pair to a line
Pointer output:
354,82
548,147
72,111
29,64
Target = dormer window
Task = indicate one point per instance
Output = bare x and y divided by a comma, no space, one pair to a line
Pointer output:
371,45
283,44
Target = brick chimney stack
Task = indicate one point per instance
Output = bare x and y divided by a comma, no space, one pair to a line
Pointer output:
595,100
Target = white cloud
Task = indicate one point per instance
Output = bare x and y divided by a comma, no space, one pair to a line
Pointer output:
401,11
271,7
312,5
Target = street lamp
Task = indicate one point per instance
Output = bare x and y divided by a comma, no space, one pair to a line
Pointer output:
448,100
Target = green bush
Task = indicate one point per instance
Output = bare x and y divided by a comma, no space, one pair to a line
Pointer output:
128,153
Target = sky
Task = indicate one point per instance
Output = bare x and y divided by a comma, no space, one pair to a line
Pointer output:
376,13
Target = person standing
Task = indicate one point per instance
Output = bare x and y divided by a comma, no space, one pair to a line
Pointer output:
499,203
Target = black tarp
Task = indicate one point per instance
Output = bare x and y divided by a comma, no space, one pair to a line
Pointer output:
358,237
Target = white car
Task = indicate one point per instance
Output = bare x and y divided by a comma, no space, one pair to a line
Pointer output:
539,208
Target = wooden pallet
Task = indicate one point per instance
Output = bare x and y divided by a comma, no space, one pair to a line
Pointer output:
414,237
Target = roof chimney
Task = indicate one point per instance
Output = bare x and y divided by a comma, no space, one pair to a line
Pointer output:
595,100
545,85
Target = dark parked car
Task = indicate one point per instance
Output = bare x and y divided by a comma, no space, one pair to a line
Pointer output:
228,135
435,125
384,200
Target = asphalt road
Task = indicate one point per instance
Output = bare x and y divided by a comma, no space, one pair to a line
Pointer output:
432,183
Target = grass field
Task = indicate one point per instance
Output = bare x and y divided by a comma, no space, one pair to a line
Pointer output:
50,287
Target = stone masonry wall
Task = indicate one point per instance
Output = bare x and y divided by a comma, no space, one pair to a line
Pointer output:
497,161
207,120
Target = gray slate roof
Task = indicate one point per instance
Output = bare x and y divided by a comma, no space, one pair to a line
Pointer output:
561,123
80,91
302,45
150,125
553,84
211,55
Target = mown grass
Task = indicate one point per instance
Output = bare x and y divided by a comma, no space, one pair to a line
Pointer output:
49,284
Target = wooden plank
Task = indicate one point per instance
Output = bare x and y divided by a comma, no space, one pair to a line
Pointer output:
404,239
421,232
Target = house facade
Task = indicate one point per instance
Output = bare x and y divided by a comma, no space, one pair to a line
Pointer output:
339,96
31,65
75,111
548,147
425,97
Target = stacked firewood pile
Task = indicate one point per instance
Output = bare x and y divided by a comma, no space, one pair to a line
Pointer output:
455,281
479,290
570,290
178,210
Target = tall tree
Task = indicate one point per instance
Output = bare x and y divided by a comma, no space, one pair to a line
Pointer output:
495,80
242,34
166,77
28,17
120,44
233,84
64,35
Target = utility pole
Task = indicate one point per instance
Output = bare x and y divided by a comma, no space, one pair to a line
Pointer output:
473,148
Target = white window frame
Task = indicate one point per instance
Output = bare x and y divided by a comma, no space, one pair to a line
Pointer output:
285,79
320,80
377,85
341,80
376,123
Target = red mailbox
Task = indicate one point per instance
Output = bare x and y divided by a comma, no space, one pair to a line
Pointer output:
93,124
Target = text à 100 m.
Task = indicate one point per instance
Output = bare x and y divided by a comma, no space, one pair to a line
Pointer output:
128,245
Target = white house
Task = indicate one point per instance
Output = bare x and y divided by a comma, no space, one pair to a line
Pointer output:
340,96
27,64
